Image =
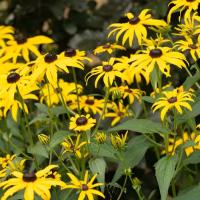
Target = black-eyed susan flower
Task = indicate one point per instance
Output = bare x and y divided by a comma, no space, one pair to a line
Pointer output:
174,143
6,33
173,100
109,48
31,183
100,137
161,57
118,141
180,5
108,71
117,113
4,161
190,46
81,122
74,147
43,139
21,46
133,26
129,93
85,187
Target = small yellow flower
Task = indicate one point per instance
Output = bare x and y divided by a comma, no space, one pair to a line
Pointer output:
108,48
173,99
31,182
85,187
44,139
157,90
81,122
133,26
117,141
100,137
4,161
73,147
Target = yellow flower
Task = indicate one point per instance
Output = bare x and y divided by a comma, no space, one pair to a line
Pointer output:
157,90
161,57
30,182
190,27
117,141
44,139
108,70
85,187
180,5
175,143
100,137
22,46
189,45
75,148
5,34
81,122
128,92
109,48
134,26
4,161
173,100
53,94
118,113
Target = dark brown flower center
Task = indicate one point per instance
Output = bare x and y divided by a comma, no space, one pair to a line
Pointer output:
58,90
81,121
70,52
50,57
69,102
29,177
84,187
13,77
172,100
107,68
106,46
128,90
89,101
192,46
123,20
20,39
134,20
120,114
155,53
190,0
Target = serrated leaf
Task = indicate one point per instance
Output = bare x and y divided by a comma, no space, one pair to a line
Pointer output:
57,138
98,166
134,153
38,149
141,126
58,110
165,170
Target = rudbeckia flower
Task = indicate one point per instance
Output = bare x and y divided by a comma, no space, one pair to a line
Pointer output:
6,33
108,70
85,187
180,5
189,45
161,57
109,48
134,26
44,139
186,137
22,46
173,100
117,141
4,161
81,122
31,183
100,137
73,147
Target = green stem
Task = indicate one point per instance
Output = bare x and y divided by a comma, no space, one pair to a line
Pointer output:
123,188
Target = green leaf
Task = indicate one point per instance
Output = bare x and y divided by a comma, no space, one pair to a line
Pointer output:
165,170
98,166
57,138
38,149
141,126
42,108
133,154
192,193
194,158
58,110
148,99
190,81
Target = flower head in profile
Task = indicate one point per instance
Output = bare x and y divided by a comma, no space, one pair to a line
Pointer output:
173,100
4,161
109,48
118,141
31,183
81,122
6,33
85,187
133,26
100,137
180,5
43,139
21,46
74,147
108,71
